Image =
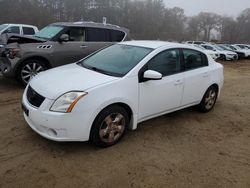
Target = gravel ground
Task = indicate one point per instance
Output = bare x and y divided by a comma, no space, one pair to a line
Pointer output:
182,149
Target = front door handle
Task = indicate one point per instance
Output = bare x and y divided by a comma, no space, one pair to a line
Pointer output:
83,46
206,74
178,82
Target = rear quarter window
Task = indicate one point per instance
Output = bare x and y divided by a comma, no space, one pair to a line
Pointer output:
117,36
28,31
194,59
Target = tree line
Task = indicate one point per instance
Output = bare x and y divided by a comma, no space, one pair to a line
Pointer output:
146,19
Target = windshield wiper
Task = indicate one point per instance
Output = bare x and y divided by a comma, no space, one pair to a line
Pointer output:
99,70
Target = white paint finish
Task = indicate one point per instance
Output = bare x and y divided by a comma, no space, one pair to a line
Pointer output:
146,99
158,96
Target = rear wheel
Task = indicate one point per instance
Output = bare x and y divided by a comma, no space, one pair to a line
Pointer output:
110,126
30,69
209,99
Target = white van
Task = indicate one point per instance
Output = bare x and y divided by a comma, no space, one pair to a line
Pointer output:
19,29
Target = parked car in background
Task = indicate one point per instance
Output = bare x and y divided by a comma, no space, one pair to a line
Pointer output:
214,54
196,42
243,46
111,91
20,29
55,45
224,54
242,54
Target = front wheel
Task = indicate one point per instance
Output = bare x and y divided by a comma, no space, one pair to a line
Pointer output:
209,99
110,126
30,69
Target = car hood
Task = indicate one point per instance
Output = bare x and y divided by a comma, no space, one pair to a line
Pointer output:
211,52
227,52
55,82
20,39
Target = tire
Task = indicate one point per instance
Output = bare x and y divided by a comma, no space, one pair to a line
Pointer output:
208,100
28,69
223,57
109,126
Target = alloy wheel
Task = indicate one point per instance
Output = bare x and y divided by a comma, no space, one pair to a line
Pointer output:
112,128
210,99
30,70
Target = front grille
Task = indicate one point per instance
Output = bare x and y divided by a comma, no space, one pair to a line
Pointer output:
34,98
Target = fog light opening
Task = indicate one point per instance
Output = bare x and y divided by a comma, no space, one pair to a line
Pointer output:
52,132
5,70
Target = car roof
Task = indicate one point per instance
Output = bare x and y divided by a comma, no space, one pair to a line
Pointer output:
155,44
92,24
20,25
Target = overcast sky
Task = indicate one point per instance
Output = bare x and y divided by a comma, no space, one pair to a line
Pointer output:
225,7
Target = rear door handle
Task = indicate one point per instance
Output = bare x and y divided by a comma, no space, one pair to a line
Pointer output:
83,46
206,74
178,82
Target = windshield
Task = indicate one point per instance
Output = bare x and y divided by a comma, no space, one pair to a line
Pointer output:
116,60
224,47
2,27
198,46
243,47
49,32
237,47
218,48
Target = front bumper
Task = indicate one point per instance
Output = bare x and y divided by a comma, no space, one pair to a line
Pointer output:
232,57
57,126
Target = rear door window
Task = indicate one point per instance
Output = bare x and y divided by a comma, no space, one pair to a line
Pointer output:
98,35
194,59
28,31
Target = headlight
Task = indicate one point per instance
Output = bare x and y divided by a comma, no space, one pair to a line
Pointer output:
67,101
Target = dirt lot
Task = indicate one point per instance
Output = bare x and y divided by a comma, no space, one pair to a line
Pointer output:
182,149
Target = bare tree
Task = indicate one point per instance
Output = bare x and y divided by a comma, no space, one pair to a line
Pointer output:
146,19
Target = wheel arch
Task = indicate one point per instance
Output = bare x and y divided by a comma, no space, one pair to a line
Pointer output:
216,86
127,107
39,58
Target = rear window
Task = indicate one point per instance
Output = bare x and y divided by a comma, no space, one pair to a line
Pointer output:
28,31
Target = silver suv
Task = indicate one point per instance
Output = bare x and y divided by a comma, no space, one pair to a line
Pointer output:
23,57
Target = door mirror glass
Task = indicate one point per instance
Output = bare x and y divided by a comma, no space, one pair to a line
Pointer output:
64,38
152,75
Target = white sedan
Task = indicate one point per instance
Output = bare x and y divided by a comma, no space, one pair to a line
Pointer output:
226,55
102,96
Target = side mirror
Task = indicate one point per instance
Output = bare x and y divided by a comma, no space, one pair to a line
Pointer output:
64,38
152,75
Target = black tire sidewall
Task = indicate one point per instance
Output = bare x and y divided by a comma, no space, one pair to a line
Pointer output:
94,134
18,74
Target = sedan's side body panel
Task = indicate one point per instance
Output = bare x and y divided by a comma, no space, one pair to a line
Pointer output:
195,85
158,96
